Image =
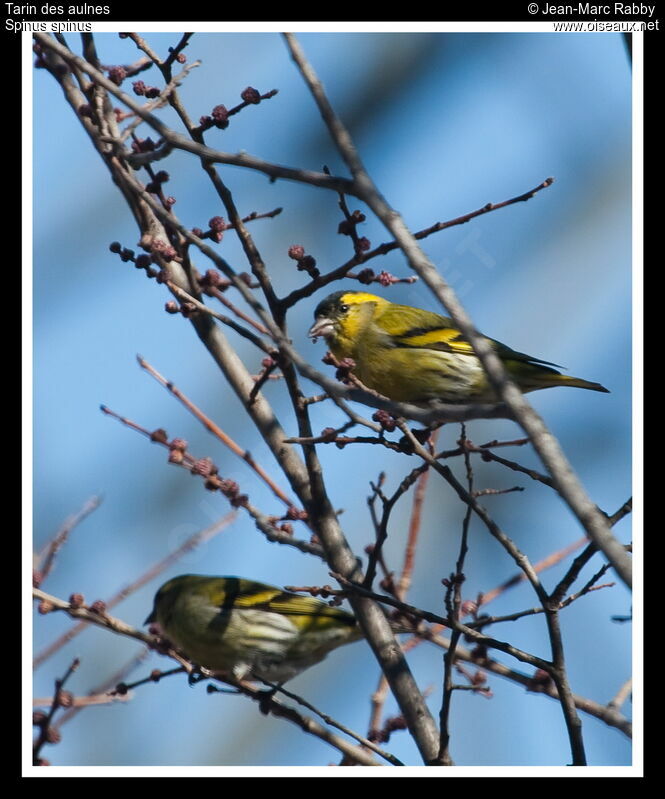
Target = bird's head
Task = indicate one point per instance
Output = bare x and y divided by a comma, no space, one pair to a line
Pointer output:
342,316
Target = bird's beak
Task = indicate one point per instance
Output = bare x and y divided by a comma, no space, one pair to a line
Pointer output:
323,326
151,618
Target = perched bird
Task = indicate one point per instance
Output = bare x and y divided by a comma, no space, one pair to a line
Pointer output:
411,355
249,630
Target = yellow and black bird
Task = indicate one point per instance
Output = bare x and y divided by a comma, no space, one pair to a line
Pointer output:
249,630
411,355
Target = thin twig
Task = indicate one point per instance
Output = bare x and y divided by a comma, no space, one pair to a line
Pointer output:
453,605
329,720
217,431
383,249
103,688
186,297
45,728
46,558
621,695
264,523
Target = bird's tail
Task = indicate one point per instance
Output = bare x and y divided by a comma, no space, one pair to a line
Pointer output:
549,380
533,376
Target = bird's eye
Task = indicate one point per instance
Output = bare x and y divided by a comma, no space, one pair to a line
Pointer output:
343,308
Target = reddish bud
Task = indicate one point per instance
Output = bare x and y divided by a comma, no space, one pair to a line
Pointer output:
229,488
296,251
117,75
308,264
385,419
220,116
204,467
345,366
251,95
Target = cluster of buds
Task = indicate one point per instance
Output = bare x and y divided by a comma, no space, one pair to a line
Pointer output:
146,145
139,88
386,420
180,57
219,116
177,449
155,185
306,263
124,252
162,251
344,367
367,276
141,261
212,281
216,227
347,227
328,434
391,725
117,74
231,491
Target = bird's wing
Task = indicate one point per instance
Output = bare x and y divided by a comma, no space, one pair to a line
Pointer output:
412,327
258,596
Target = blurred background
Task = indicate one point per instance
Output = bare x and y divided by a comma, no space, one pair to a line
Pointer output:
445,123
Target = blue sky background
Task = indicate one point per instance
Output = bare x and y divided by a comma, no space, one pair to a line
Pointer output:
445,123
